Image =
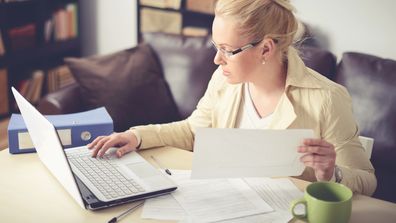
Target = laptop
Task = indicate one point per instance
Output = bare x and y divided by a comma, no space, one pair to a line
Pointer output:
94,183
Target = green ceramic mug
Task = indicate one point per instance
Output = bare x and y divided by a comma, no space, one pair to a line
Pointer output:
325,202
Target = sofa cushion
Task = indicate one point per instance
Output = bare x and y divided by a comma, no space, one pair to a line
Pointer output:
128,83
320,60
188,66
371,82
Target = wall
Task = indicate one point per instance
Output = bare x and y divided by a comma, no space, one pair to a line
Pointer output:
352,25
107,26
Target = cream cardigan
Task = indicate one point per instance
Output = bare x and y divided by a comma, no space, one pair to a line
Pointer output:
311,101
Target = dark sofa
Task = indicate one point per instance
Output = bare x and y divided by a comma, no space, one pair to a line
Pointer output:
179,68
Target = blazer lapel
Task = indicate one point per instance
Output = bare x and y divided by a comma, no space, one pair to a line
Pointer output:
284,114
229,111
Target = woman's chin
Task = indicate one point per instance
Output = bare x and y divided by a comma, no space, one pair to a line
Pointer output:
231,80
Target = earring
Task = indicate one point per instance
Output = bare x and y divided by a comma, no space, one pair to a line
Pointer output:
263,62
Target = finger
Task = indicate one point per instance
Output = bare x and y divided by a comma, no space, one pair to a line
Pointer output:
317,166
316,142
94,142
99,145
124,150
316,149
315,158
111,142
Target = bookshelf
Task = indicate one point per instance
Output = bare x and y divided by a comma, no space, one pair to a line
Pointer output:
186,17
36,35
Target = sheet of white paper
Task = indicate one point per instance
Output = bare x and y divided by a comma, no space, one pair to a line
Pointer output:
272,217
236,153
205,200
164,207
220,199
278,193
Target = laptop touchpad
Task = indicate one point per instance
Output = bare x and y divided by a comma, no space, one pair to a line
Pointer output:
142,170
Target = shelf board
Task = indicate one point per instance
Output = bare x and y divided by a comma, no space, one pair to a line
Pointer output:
18,3
181,10
47,51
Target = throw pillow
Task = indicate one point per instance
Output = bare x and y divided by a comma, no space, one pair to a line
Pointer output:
188,66
128,83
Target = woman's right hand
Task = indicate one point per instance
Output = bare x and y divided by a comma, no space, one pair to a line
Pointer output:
126,141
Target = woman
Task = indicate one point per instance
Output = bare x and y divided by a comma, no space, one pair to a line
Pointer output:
261,82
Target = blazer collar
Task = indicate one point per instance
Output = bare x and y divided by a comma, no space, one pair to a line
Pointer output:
297,72
297,76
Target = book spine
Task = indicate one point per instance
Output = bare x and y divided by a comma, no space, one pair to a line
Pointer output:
4,106
2,48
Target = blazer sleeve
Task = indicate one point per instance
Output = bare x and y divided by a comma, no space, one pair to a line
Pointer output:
181,134
340,129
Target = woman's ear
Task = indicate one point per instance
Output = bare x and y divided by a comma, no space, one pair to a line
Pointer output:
268,46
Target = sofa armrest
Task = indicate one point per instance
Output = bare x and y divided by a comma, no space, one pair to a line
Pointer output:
63,101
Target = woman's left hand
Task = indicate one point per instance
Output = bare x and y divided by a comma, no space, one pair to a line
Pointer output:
320,155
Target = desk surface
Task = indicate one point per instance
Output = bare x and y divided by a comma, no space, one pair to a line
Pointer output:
29,193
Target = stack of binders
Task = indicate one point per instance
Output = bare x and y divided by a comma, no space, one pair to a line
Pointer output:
77,129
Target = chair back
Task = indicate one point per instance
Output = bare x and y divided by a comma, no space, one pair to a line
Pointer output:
367,144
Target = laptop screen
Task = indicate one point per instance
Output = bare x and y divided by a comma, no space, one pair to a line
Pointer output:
48,146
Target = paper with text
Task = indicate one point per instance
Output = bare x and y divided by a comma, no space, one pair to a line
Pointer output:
206,200
278,193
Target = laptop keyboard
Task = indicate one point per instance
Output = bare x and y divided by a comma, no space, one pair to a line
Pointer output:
103,174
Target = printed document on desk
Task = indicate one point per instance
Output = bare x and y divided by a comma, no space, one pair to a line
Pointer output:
236,153
206,200
278,193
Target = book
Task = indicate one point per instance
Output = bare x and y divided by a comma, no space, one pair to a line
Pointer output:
59,77
23,37
64,23
76,129
153,20
4,106
23,87
194,31
2,48
37,86
31,88
60,21
203,6
72,12
172,4
48,30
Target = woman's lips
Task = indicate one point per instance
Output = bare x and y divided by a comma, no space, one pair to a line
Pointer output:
226,73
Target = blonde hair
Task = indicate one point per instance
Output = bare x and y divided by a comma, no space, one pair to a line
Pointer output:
259,19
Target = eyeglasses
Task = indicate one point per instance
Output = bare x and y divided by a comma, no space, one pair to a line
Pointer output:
228,53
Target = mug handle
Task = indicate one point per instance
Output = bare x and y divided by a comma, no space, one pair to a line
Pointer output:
294,204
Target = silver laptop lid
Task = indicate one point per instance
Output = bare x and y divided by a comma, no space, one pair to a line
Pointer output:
48,146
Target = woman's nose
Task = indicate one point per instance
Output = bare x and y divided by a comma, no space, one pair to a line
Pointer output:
218,59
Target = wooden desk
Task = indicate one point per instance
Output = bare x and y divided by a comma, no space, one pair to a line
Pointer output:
29,193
